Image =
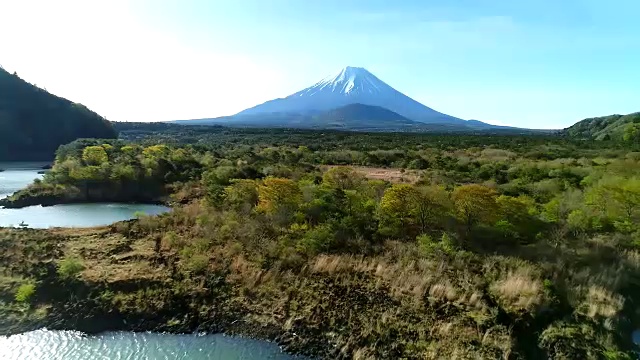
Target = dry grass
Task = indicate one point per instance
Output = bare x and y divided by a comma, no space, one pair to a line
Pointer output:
519,291
392,175
112,256
414,280
601,303
492,155
330,264
443,291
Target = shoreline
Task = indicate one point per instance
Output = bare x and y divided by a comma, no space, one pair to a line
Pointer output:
46,201
75,305
289,343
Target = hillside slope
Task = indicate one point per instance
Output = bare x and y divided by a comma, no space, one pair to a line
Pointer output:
33,122
360,116
611,127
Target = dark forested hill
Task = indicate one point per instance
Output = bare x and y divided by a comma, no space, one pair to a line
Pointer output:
613,127
33,122
360,116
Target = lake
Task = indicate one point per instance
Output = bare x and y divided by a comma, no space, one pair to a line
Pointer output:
71,345
75,215
18,175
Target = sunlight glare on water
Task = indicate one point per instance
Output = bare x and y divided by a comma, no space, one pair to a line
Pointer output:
70,345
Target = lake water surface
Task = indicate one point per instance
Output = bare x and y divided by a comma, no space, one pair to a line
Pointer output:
71,345
18,175
75,215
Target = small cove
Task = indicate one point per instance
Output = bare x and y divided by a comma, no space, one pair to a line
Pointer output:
44,344
19,175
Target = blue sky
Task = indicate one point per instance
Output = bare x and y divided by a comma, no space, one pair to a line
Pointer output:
538,64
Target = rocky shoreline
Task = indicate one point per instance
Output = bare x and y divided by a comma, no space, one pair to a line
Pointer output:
84,314
22,200
290,342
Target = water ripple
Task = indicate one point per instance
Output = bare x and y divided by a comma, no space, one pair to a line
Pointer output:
71,345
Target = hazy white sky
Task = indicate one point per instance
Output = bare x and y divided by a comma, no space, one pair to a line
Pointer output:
536,64
99,54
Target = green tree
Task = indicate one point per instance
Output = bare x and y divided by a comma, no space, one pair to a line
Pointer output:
241,195
475,204
123,172
430,206
279,198
397,210
94,155
520,213
342,177
617,198
406,210
156,151
631,133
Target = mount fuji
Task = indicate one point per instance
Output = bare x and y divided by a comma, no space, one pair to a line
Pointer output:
330,103
352,85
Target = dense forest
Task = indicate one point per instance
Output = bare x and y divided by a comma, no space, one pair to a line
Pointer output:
33,122
620,128
344,245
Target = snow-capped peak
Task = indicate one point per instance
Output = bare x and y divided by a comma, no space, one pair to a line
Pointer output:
351,85
347,81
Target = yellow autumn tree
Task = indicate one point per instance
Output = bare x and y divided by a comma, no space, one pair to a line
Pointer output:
395,208
279,198
156,151
474,204
94,155
406,210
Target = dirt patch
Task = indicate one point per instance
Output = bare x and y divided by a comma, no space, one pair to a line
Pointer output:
394,175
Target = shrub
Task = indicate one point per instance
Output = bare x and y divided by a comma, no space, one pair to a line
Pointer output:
195,264
69,268
519,291
427,245
318,239
25,292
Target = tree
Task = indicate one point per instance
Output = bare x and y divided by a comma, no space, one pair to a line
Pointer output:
474,204
94,155
406,210
342,177
215,181
617,198
241,195
431,205
129,151
631,133
156,151
518,212
279,198
122,172
396,210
